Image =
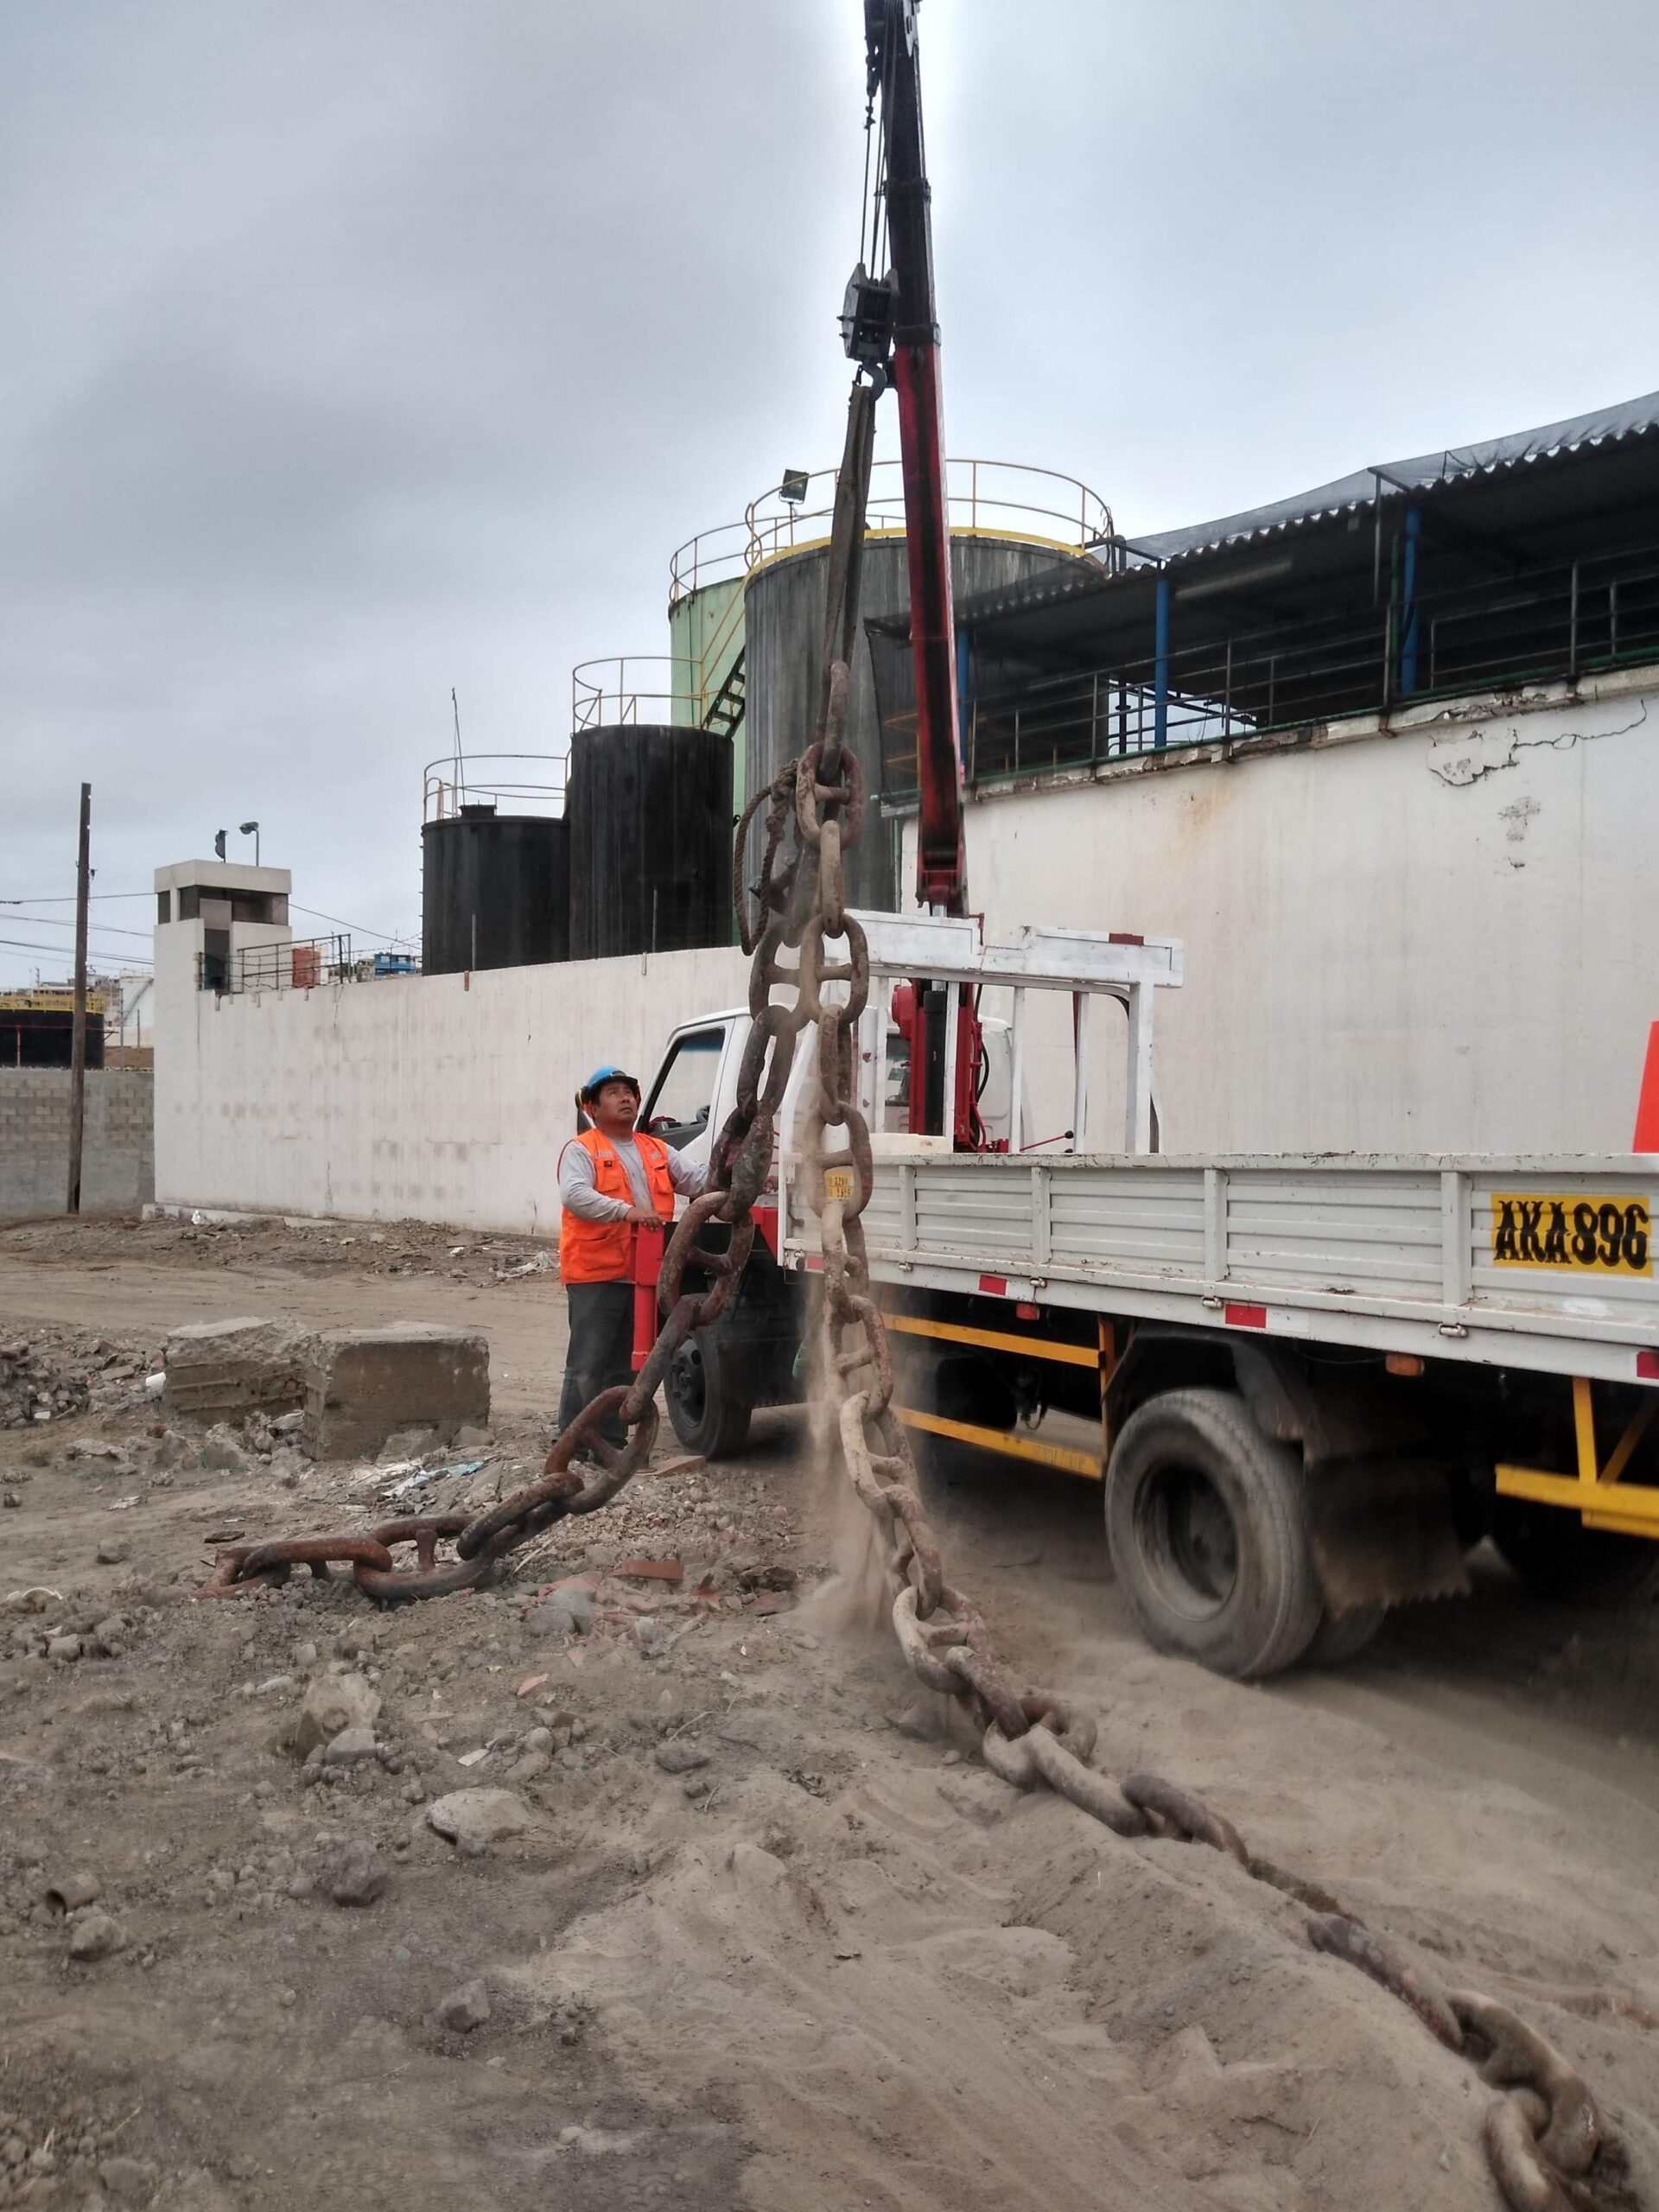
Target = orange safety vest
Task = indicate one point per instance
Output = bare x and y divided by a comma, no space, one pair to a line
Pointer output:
598,1251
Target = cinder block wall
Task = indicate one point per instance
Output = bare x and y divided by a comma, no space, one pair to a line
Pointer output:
118,1151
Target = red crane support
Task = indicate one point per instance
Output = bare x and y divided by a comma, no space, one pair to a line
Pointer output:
891,326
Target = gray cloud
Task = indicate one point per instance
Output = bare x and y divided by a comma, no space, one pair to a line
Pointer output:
353,352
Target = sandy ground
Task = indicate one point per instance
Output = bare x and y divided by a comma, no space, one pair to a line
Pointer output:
757,1945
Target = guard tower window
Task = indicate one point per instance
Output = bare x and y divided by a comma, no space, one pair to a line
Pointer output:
220,907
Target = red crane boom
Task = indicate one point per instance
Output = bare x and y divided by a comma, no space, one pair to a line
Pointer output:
891,324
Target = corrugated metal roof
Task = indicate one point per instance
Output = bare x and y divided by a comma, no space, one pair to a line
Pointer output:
1632,418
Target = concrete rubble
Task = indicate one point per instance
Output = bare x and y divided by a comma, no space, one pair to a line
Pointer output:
218,1369
48,1374
364,1386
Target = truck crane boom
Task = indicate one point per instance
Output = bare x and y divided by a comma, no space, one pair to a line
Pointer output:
891,324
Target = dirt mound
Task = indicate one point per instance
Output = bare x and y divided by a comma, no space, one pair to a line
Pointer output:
313,1248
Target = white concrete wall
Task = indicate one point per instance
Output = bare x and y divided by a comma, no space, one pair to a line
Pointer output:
1440,939
443,1098
1436,938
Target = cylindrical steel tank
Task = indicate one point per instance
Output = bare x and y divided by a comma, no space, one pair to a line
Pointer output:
649,812
783,632
494,891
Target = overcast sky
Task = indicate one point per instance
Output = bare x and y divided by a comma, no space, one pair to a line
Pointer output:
353,349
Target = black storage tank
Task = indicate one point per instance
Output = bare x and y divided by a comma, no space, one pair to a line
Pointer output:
493,890
783,620
44,1037
650,813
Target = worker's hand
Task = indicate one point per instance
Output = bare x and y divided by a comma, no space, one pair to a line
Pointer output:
645,1218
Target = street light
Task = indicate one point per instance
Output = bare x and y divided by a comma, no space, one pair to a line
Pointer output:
251,830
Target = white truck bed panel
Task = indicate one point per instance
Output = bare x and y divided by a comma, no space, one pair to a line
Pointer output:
1398,1254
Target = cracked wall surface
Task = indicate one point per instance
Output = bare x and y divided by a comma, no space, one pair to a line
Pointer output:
1489,749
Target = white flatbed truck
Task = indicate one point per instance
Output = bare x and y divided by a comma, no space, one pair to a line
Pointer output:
1311,1383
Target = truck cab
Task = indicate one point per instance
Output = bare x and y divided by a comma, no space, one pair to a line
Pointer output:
753,1354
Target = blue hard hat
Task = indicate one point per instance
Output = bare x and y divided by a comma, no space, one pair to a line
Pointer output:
608,1075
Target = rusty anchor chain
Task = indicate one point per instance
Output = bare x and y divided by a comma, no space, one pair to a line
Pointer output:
1549,2146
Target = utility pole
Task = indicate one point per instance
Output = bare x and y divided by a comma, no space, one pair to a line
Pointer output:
78,1049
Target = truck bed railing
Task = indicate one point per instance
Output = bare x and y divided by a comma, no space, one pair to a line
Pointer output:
1522,1260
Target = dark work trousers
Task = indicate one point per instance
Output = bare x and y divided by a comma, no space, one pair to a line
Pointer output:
602,1350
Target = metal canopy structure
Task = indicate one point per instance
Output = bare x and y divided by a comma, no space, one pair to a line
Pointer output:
1632,418
1528,558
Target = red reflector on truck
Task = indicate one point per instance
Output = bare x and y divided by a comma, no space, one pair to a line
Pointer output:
1647,1366
1246,1317
1027,1312
994,1285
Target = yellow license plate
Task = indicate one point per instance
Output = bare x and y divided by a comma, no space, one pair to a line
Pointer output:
1585,1234
838,1182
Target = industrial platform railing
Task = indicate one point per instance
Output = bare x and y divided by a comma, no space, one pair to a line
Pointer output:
502,782
634,687
298,964
987,498
1582,617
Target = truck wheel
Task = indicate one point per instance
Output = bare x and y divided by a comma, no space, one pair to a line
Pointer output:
1342,1637
1204,1516
706,1402
1556,1555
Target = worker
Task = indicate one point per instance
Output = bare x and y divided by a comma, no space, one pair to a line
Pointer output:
612,1179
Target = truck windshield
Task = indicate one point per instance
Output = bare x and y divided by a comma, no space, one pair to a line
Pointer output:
682,1095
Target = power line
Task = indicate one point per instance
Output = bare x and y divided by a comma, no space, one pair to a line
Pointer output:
67,898
104,929
32,944
356,928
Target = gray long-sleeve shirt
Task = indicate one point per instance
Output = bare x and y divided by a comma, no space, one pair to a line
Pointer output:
577,1191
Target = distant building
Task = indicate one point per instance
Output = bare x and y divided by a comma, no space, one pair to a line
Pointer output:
37,1026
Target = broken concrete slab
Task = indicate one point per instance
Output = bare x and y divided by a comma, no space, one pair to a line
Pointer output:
363,1385
218,1369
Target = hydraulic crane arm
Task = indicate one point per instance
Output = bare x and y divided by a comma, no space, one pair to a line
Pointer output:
891,324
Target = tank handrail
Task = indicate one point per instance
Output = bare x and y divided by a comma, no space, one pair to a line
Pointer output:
737,548
604,691
454,780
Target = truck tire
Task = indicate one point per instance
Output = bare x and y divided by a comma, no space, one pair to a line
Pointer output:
1557,1556
707,1401
1203,1517
1342,1637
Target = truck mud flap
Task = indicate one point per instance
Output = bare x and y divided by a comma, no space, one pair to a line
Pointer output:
1382,1531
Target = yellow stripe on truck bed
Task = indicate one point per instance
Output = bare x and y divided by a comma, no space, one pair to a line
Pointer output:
1006,1441
956,1333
